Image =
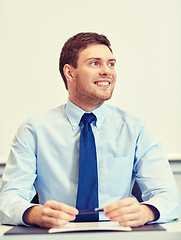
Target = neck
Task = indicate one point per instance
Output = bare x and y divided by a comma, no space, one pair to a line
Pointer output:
87,107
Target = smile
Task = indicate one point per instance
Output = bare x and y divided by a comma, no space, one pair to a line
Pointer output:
102,83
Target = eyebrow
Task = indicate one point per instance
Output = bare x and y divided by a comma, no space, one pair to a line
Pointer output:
94,58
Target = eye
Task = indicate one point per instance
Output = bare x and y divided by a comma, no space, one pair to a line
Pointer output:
112,64
94,63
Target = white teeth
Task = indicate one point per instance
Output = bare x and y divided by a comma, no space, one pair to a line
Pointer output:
103,83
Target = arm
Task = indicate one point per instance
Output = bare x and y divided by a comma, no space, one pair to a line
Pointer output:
153,174
19,175
18,187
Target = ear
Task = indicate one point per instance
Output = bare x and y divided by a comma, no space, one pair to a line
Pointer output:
68,72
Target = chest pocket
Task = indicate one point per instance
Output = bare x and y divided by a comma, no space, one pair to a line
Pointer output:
115,176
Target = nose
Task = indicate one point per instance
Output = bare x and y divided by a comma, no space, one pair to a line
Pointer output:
105,70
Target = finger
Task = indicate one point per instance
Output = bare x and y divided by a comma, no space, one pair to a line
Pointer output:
117,212
131,223
135,208
120,204
125,217
62,207
50,222
57,214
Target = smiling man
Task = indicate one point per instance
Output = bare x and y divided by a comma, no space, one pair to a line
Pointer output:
45,157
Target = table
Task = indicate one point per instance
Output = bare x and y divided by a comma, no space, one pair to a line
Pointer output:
173,232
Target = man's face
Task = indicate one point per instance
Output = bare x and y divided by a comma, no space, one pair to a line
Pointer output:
94,78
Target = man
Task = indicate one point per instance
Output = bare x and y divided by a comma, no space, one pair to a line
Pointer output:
45,152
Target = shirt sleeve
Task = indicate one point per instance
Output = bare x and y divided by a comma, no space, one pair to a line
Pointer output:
18,188
154,176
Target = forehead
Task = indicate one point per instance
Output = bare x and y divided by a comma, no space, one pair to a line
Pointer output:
95,51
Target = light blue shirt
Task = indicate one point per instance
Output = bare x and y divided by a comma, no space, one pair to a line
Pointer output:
45,151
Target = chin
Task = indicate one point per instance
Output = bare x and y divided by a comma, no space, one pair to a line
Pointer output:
104,98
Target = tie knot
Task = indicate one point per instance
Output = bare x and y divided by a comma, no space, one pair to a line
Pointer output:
88,118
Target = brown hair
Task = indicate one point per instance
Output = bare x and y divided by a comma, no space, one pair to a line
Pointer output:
77,43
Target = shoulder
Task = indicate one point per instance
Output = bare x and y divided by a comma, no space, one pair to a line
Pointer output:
130,124
50,115
43,119
119,115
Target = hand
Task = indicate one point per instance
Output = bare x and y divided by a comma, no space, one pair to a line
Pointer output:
51,214
129,213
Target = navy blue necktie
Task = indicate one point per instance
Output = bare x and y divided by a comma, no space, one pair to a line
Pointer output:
87,195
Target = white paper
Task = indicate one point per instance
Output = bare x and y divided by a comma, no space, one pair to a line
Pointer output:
90,226
4,229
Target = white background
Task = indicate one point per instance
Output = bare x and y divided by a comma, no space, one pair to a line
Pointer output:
146,41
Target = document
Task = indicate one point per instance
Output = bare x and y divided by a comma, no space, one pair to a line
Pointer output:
90,226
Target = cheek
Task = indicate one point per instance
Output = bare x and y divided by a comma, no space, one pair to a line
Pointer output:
114,75
86,76
83,73
81,80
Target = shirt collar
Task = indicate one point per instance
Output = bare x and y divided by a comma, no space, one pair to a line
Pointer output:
74,114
